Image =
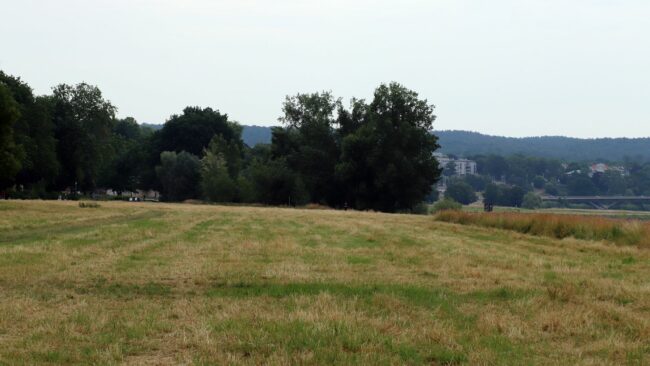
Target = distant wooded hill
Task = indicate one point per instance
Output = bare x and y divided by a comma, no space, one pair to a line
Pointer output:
465,143
564,148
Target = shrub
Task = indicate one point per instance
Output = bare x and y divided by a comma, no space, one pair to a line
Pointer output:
447,204
420,209
83,204
531,201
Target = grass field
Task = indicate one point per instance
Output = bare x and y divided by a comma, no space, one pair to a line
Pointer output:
144,283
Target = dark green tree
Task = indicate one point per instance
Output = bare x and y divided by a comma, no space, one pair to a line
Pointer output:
581,185
387,163
9,153
551,189
216,183
478,182
460,192
496,166
276,184
128,129
84,127
228,150
615,183
309,143
33,134
129,161
539,182
179,175
513,196
193,130
492,194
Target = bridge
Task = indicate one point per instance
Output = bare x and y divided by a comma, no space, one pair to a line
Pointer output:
598,202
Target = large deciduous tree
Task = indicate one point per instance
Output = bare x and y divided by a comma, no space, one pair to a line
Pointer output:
220,168
9,154
387,163
309,143
193,130
179,175
33,134
84,124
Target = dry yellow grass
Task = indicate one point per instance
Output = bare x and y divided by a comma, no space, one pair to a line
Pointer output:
138,283
559,226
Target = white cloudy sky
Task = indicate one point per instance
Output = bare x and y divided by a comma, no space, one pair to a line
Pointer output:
507,67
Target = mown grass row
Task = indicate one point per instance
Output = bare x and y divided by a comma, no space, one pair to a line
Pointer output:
623,232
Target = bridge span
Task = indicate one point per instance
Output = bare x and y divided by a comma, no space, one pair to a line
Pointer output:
598,202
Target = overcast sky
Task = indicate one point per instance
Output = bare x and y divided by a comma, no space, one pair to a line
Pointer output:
507,67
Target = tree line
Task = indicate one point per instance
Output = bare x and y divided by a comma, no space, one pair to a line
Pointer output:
369,155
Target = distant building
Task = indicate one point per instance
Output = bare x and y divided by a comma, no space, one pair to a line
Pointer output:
598,168
602,168
463,166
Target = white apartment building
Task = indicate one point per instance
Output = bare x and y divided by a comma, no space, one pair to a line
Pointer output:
463,166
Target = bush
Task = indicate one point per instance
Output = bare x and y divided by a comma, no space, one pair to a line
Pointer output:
420,209
447,204
531,201
83,204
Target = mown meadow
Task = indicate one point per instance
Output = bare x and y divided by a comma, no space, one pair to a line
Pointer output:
145,283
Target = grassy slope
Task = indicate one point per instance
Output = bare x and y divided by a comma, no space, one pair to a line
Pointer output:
167,284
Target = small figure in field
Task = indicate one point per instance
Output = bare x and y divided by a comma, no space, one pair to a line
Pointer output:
488,207
345,206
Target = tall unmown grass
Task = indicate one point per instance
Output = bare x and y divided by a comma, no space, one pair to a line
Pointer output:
559,226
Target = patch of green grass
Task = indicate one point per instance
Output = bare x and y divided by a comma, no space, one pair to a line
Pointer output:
359,241
52,356
198,230
437,299
506,351
329,342
355,259
501,294
45,231
80,241
20,258
628,260
638,356
102,287
147,223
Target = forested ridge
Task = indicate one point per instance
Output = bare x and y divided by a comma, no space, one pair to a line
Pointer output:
465,143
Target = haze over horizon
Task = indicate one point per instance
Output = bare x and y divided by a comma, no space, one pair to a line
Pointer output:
507,67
